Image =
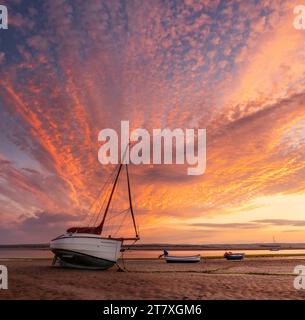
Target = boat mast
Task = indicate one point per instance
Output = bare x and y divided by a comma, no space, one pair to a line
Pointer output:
130,204
100,227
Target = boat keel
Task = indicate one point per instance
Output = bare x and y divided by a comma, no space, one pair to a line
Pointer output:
76,260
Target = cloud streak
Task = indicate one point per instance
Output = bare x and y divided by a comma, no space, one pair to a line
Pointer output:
72,68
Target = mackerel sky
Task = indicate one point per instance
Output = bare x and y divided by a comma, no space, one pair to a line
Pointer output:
71,68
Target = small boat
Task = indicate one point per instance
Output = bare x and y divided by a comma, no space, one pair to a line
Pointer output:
275,246
180,259
234,256
85,247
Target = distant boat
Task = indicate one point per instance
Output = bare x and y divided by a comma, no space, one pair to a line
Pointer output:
275,246
84,247
234,256
272,246
180,259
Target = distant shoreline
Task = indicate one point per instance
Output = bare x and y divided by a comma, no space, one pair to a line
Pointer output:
182,247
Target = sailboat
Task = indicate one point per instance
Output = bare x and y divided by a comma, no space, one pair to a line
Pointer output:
275,246
85,247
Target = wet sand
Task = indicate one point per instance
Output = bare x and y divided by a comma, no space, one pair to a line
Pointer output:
253,278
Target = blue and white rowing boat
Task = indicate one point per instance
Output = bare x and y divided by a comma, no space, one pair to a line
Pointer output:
234,256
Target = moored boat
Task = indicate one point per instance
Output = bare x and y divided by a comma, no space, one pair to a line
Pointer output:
180,259
85,250
85,247
275,246
234,256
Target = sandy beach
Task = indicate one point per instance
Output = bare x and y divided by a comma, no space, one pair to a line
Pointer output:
253,278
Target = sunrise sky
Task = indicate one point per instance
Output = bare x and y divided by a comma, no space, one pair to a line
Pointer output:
71,68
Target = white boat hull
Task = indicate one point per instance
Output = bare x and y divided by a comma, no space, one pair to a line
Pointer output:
84,250
182,259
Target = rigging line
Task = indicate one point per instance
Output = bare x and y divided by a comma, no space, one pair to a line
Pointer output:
98,212
119,228
107,192
116,227
100,227
122,254
101,190
131,176
111,227
109,218
114,216
117,214
130,202
106,185
95,202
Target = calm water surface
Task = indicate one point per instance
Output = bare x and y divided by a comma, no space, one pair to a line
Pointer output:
45,253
